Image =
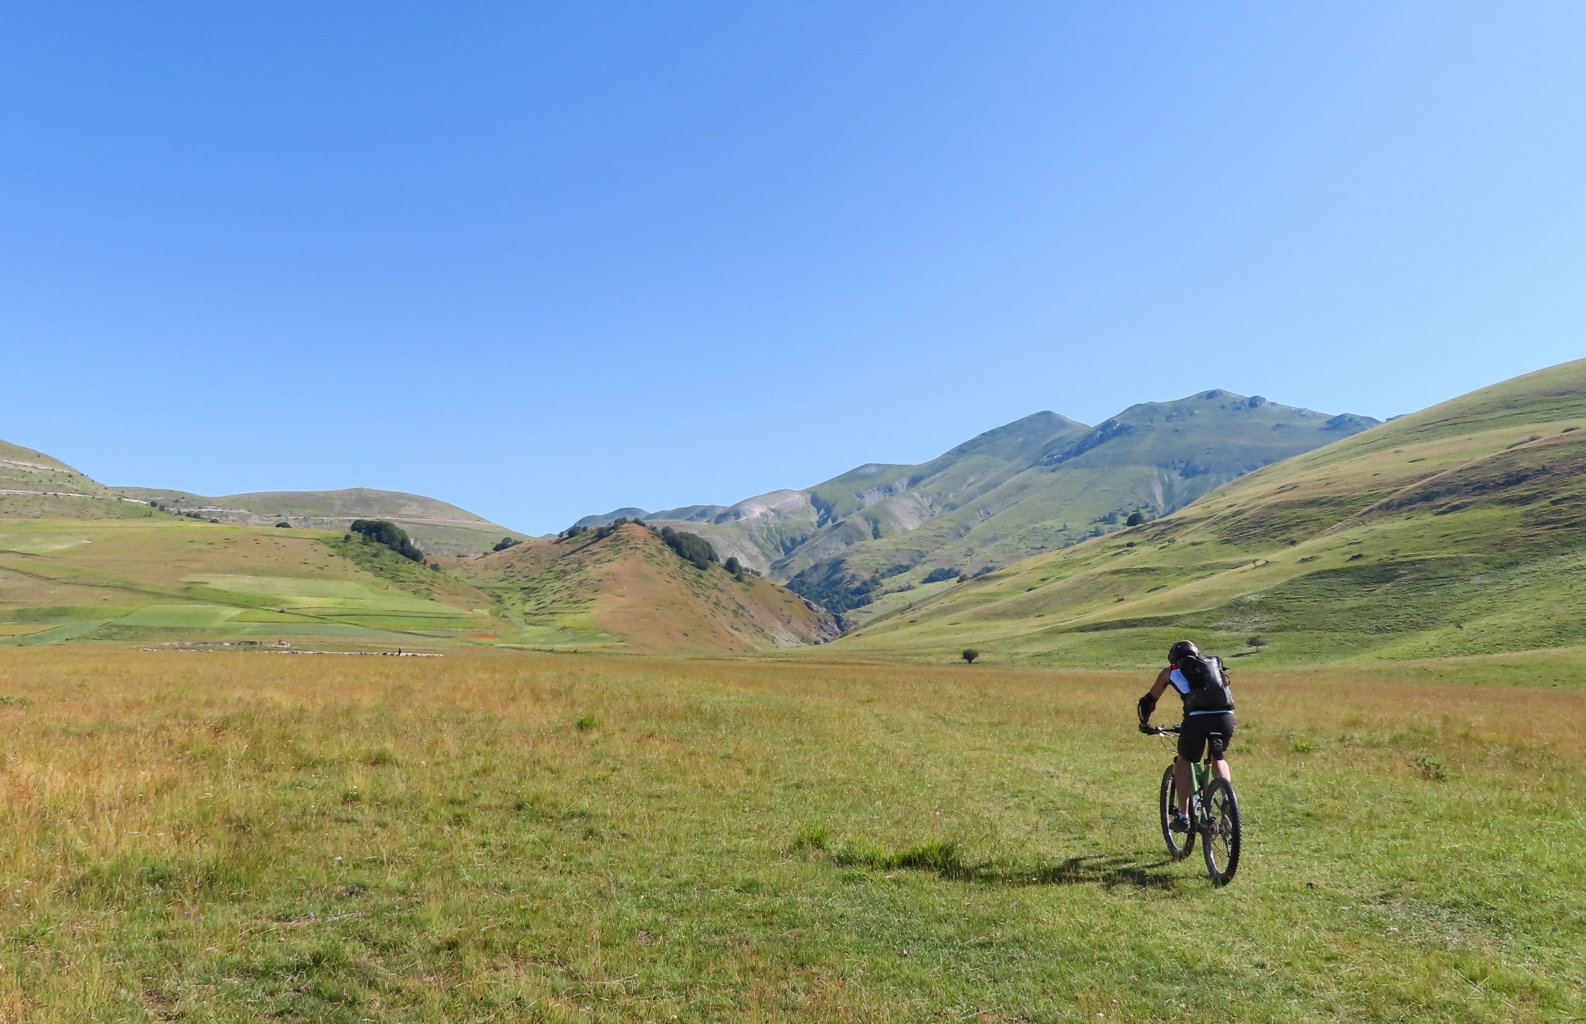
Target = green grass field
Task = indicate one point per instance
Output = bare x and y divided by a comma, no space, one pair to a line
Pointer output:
273,837
178,580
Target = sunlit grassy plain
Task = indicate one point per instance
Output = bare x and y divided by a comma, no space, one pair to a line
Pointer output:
260,837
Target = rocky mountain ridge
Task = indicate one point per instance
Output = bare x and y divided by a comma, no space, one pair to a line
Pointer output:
1038,484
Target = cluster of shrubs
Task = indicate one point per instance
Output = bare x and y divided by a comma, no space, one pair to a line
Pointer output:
690,547
600,532
184,514
381,531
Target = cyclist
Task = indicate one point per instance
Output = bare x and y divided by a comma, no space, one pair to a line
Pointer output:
1208,709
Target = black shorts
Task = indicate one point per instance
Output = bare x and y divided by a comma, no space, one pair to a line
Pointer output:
1192,740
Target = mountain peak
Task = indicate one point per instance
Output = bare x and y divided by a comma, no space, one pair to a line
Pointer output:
1035,430
1041,482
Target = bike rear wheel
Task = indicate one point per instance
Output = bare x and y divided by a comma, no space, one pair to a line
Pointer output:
1179,844
1220,830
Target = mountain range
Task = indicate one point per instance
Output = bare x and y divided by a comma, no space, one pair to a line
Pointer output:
1269,533
1039,484
1456,530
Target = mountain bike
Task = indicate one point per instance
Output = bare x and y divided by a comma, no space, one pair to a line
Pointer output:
1213,814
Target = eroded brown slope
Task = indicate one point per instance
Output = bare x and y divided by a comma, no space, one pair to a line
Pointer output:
628,584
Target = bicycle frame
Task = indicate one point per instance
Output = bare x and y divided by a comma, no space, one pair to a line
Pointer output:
1200,771
1213,813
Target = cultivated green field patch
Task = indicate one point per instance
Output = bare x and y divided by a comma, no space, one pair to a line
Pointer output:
341,599
35,543
164,580
178,616
284,587
76,630
545,636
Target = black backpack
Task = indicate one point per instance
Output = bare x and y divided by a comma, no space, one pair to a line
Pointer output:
1208,684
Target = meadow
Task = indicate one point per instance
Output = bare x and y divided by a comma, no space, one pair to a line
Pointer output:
174,580
519,837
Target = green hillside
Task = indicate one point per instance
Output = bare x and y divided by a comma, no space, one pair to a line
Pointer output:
884,535
1456,530
83,562
34,485
786,532
171,579
437,527
175,580
623,587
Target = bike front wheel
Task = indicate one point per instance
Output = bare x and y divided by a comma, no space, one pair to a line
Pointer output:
1219,825
1179,844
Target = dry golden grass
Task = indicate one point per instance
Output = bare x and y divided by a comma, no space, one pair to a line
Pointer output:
227,837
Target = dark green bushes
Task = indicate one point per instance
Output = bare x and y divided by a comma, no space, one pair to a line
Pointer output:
689,547
382,531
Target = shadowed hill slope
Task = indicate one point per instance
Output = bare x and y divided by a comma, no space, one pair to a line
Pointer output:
1456,530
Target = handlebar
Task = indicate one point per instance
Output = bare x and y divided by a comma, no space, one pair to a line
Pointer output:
1165,730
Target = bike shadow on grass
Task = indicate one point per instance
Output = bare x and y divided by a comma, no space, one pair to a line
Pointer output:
1108,870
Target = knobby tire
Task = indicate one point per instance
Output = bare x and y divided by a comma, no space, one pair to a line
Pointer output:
1179,844
1220,842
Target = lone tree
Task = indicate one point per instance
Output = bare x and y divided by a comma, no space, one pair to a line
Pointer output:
970,655
1135,518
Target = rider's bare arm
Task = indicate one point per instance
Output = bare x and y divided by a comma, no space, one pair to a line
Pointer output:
1162,683
1148,702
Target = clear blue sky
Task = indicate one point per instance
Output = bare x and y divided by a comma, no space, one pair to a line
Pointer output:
547,259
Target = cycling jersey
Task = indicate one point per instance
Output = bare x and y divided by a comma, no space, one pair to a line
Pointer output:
1183,687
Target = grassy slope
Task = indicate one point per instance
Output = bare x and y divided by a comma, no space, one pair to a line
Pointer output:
629,588
237,838
34,486
437,527
786,532
1036,485
1456,529
1151,458
175,579
172,578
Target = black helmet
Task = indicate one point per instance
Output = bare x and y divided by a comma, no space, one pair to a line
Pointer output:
1180,650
